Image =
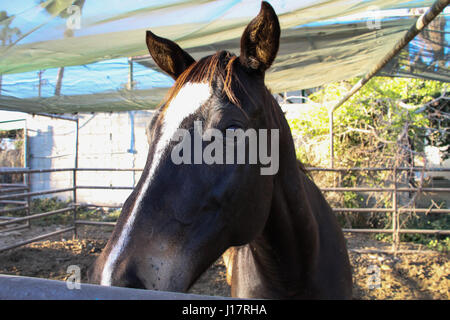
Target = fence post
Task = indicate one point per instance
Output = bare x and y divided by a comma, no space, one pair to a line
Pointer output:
26,176
74,179
395,233
331,137
27,181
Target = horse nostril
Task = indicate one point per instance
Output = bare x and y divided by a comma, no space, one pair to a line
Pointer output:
126,275
132,280
135,283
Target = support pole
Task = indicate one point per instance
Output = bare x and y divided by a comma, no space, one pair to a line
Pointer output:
26,176
130,83
331,123
74,179
40,72
395,219
420,24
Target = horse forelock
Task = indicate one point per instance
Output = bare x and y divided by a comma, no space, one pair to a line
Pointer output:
219,66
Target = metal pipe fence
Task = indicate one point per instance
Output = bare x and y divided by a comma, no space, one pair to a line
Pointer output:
15,201
27,288
9,194
11,189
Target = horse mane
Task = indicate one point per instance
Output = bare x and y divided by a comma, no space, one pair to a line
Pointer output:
217,66
276,116
302,168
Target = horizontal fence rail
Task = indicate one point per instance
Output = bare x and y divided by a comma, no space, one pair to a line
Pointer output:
11,194
4,170
38,238
12,189
106,187
12,185
13,202
361,189
37,193
27,288
36,216
379,169
3,211
95,223
418,210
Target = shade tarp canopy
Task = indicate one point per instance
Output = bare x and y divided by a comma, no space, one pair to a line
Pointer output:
106,67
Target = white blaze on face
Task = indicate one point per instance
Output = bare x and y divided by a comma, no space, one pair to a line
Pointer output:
188,100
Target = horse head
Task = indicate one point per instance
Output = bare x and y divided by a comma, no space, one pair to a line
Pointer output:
186,211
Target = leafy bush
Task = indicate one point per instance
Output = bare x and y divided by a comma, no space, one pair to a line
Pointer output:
387,123
368,126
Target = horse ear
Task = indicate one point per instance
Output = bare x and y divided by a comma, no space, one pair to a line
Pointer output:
168,55
261,39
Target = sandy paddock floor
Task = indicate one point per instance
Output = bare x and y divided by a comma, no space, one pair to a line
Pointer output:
375,276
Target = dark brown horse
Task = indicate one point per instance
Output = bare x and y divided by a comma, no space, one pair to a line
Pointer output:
180,218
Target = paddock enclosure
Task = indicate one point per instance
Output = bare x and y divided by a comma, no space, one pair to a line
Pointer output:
86,145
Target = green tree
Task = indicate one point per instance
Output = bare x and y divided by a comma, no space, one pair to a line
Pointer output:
389,122
386,117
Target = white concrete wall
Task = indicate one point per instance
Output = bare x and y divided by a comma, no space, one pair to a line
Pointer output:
50,145
104,141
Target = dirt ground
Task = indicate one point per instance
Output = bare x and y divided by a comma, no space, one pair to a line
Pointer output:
375,276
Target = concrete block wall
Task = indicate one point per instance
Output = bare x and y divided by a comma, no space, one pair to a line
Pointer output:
105,141
51,144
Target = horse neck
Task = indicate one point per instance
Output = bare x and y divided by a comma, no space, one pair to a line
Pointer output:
286,252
